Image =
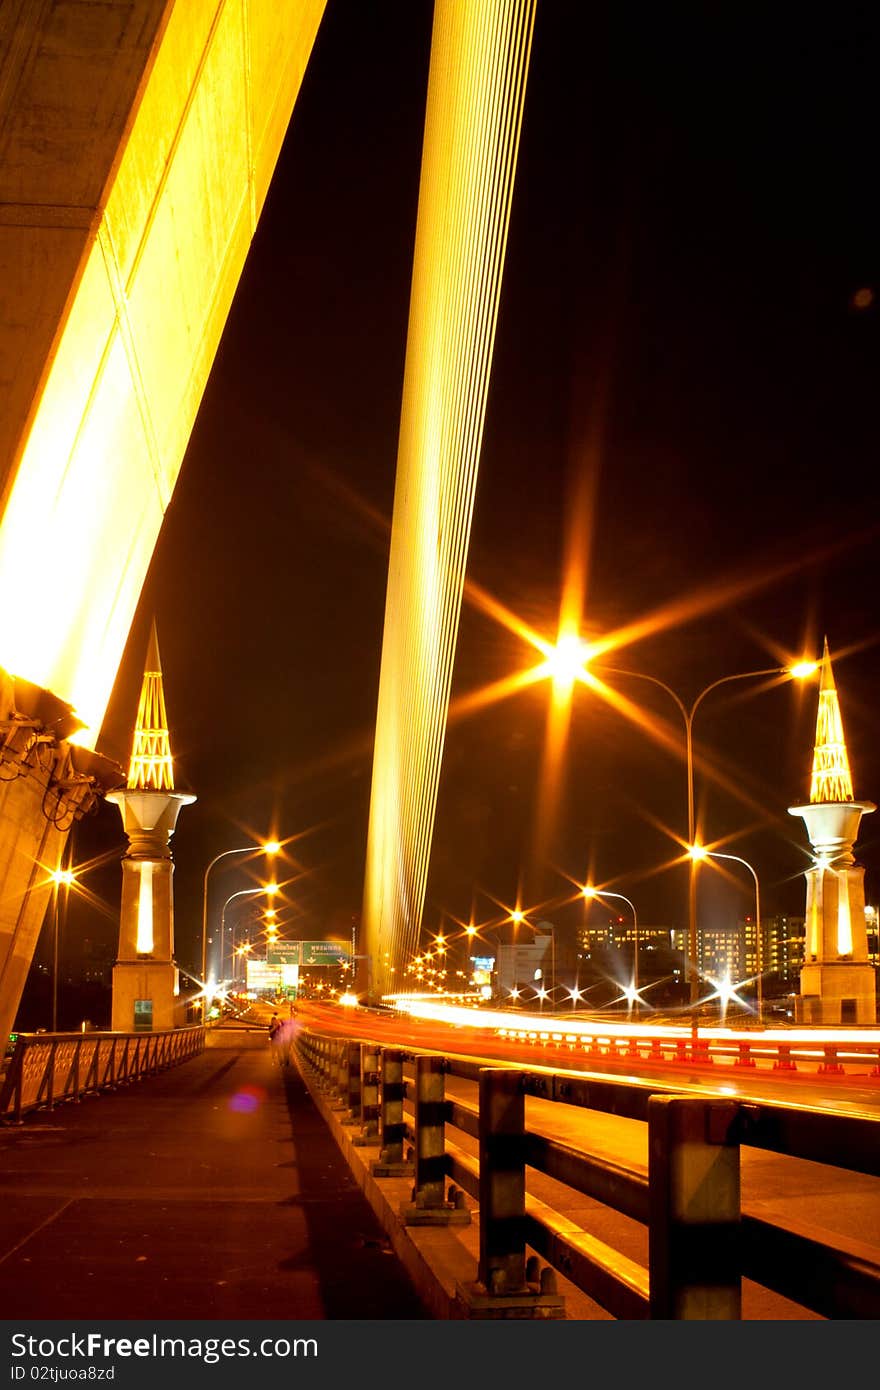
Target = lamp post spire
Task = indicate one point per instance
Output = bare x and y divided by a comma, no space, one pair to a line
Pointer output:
837,979
831,779
151,767
145,979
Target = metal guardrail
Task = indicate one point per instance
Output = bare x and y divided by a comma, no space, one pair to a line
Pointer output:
702,1239
46,1069
828,1059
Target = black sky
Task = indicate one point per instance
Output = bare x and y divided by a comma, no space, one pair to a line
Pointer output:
694,215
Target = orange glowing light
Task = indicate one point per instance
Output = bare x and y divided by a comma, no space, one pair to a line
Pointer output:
803,670
567,661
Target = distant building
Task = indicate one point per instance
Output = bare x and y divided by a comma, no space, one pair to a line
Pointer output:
620,932
525,965
721,953
93,964
782,947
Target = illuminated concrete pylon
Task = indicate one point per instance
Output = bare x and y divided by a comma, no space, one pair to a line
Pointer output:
837,979
145,981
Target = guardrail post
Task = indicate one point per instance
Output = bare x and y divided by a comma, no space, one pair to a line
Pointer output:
429,1206
50,1076
507,1285
352,1092
339,1074
830,1066
745,1058
316,1056
783,1058
392,1126
502,1182
694,1209
75,1070
369,1095
12,1084
700,1050
326,1062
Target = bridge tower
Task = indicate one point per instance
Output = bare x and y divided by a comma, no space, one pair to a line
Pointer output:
837,979
145,979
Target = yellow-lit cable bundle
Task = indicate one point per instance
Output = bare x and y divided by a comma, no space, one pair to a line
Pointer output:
479,60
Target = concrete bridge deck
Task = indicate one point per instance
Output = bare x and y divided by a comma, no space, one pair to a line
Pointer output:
213,1190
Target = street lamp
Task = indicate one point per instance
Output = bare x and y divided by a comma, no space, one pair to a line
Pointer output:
271,847
269,888
590,893
801,671
698,852
60,878
242,952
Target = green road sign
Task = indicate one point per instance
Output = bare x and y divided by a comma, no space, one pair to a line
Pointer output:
306,953
283,953
323,953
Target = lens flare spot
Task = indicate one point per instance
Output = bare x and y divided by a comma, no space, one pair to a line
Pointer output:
247,1100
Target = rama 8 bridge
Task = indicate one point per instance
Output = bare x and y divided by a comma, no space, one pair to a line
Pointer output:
674,1178
101,388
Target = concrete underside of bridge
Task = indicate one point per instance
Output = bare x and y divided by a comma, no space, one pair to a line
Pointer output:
45,783
137,144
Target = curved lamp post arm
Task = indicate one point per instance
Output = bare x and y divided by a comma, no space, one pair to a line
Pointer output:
242,893
738,859
246,849
687,714
739,676
643,676
606,893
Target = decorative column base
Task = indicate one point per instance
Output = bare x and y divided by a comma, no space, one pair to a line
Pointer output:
145,997
837,992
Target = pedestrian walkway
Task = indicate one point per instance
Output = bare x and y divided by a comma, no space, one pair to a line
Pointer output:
214,1190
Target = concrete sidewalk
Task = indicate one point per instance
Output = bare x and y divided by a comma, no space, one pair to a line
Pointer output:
211,1191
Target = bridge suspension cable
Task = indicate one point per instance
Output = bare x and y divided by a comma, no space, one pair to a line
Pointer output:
476,90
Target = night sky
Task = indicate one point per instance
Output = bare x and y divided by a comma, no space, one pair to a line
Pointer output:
689,321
